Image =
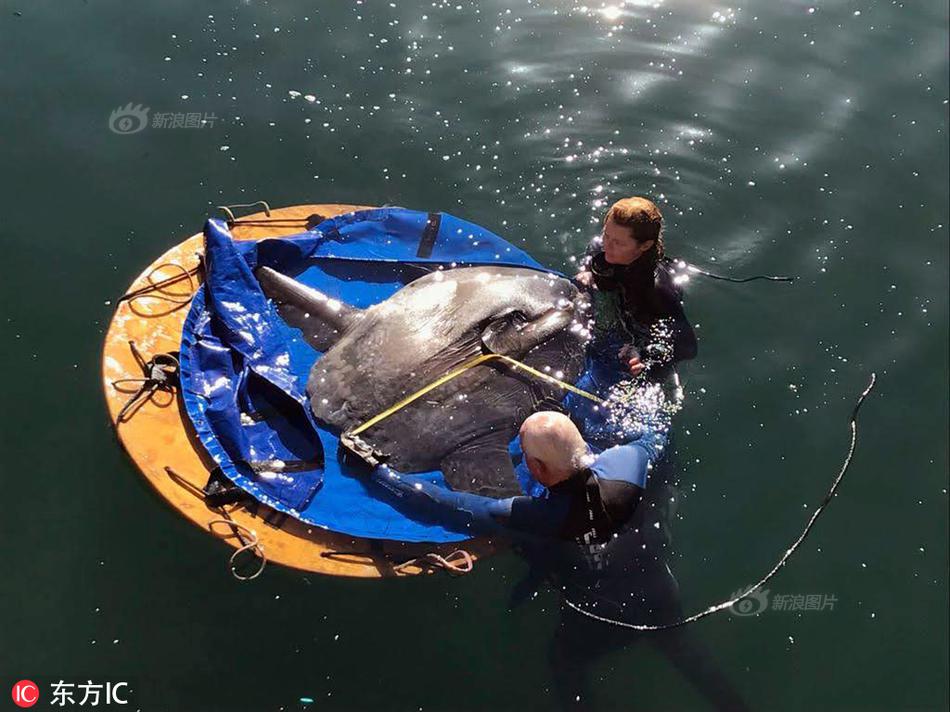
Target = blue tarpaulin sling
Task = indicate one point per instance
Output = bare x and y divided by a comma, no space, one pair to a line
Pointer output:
243,370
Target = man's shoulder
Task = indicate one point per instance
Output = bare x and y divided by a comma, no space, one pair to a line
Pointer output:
625,463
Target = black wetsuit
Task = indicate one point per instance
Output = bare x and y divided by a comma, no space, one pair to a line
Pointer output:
629,300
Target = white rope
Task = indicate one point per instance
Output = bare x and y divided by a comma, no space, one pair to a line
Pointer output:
251,544
458,562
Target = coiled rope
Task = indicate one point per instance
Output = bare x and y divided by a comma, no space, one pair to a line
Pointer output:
159,289
249,542
458,563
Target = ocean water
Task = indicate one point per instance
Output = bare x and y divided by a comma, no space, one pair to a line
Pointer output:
777,137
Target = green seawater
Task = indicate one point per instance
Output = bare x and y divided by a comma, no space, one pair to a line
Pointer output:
777,137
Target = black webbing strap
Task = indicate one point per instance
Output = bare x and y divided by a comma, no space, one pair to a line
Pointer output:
429,234
221,491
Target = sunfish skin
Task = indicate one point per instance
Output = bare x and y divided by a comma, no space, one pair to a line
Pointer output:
375,357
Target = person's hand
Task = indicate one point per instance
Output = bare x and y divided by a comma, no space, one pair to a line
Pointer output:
636,366
584,278
630,356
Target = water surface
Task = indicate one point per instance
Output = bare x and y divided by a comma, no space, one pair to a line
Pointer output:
778,138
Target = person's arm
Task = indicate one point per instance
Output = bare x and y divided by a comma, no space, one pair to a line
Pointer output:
481,515
684,338
622,473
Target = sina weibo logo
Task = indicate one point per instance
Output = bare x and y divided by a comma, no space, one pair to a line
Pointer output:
128,119
750,605
25,693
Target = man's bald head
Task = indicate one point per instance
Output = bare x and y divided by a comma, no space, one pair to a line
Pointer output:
553,447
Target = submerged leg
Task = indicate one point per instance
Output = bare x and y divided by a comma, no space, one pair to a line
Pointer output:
577,644
682,646
695,661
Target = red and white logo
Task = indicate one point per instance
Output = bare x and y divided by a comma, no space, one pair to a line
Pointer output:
25,693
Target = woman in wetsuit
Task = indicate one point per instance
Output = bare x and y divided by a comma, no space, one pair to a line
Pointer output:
633,289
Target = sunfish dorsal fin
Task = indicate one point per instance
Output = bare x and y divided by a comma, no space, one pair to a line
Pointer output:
322,319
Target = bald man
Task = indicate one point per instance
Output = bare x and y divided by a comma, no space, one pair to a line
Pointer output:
590,497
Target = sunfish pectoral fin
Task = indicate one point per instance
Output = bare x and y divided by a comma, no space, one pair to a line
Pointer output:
482,467
321,318
514,332
502,335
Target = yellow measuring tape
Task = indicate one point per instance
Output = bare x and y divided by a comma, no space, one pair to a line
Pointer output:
458,372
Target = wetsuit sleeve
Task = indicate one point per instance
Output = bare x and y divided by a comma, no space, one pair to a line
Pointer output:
631,462
622,473
481,515
623,463
684,338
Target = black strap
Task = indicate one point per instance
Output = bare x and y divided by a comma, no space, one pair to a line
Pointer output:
275,519
314,220
221,491
429,234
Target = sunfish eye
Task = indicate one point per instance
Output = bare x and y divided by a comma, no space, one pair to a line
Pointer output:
562,303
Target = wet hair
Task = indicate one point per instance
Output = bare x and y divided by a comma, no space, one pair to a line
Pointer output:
643,219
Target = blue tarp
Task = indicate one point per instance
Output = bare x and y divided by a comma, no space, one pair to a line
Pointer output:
243,370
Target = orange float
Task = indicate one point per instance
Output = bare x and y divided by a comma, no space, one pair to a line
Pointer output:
156,433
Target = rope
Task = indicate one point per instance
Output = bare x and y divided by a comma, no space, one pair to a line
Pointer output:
781,562
458,563
249,544
471,363
153,286
247,537
308,222
273,222
739,280
227,209
159,373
